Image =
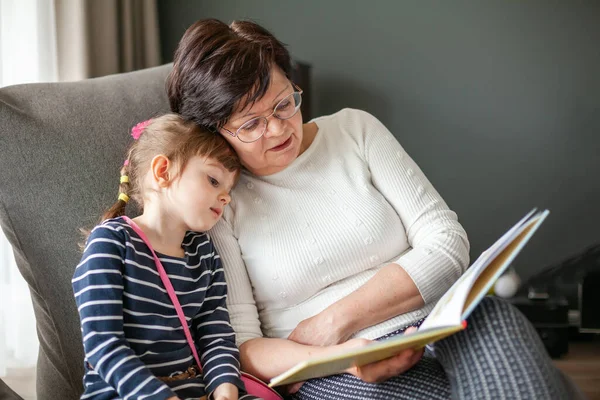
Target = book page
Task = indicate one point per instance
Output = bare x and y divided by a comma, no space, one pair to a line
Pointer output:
488,276
338,363
450,309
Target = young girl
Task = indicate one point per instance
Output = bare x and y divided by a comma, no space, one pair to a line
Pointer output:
135,347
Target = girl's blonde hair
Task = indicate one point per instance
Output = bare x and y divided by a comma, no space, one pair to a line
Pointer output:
177,139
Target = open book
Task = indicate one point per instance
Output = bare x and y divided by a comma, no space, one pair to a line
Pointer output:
446,318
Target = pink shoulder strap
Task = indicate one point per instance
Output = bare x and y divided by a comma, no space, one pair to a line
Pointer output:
170,291
253,385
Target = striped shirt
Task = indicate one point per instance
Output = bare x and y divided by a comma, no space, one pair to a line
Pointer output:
131,332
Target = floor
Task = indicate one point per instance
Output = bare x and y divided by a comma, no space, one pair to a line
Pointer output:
582,364
22,381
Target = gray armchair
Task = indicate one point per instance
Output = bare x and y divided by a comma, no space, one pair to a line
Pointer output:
61,146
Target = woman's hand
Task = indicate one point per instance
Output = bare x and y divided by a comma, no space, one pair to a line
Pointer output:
379,371
320,330
383,370
225,391
352,343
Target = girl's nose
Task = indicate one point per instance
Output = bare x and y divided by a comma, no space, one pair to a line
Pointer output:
225,198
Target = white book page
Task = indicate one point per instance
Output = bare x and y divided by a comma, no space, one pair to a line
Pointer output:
449,309
500,262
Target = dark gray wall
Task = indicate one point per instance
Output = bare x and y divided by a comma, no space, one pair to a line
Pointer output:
497,101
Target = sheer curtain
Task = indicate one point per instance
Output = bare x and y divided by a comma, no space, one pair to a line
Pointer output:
27,54
66,40
50,40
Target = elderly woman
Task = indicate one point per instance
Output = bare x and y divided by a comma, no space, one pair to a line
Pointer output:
334,234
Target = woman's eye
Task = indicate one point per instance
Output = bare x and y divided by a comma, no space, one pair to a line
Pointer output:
213,181
250,125
284,106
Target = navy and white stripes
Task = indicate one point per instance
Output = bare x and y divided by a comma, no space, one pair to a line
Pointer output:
130,329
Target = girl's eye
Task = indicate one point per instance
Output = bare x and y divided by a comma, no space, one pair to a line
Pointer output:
213,181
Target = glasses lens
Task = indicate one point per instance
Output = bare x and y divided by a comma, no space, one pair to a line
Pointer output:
288,106
252,130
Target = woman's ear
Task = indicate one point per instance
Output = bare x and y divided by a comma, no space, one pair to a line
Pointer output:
160,167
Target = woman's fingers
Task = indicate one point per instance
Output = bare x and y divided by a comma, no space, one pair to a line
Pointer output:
383,370
410,329
294,387
418,355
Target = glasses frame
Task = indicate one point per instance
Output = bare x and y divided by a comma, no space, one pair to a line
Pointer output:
236,134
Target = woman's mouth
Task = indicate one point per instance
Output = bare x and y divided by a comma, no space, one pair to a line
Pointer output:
216,212
283,145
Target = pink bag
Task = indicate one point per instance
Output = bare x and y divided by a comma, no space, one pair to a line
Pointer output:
254,386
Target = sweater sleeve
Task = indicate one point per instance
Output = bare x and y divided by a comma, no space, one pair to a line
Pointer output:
240,300
216,338
98,287
439,246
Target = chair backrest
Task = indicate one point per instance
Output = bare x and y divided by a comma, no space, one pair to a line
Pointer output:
7,393
61,148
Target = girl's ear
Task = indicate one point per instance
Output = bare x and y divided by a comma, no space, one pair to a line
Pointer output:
160,166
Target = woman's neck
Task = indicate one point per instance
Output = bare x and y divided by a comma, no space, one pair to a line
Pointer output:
164,233
309,131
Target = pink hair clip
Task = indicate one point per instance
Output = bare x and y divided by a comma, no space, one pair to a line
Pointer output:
126,163
137,130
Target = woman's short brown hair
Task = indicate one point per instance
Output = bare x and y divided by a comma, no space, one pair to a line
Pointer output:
219,68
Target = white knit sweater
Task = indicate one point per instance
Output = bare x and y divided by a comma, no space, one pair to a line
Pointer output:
294,242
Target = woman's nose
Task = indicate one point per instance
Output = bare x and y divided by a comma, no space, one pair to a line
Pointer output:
275,127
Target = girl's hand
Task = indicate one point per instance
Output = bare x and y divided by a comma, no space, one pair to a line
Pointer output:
226,391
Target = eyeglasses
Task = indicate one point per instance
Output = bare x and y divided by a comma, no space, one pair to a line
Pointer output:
255,128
